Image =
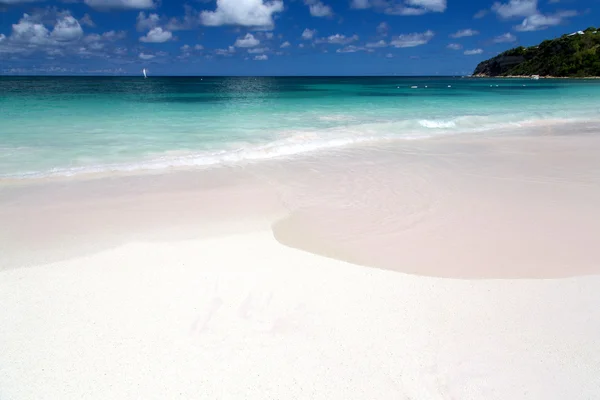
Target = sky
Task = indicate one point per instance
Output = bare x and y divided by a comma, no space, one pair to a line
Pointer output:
275,37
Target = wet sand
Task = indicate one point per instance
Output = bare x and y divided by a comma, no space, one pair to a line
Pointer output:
503,206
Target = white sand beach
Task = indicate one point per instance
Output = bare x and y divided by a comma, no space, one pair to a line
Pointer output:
454,268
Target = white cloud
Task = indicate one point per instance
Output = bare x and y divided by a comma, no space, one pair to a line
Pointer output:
349,49
187,49
87,21
262,57
114,71
59,52
473,52
318,9
190,20
28,32
412,7
253,13
515,8
269,35
258,50
13,2
567,14
539,22
285,44
506,38
114,35
308,34
389,55
157,35
247,41
464,33
92,38
301,45
2,37
454,46
430,5
123,4
146,23
96,46
378,44
338,39
412,39
400,9
83,52
480,14
52,69
360,4
145,56
109,36
67,29
383,28
225,52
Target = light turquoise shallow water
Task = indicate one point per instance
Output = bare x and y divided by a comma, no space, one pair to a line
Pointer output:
73,125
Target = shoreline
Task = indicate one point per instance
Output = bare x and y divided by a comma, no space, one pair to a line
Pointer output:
301,199
538,127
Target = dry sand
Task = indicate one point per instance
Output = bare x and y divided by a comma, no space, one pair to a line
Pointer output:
244,317
195,284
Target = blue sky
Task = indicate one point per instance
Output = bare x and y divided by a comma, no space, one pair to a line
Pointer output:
289,37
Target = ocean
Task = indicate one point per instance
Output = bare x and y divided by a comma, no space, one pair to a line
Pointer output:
69,126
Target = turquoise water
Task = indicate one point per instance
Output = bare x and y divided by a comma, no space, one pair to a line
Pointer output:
75,125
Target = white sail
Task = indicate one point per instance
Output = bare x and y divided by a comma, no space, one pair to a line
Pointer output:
144,71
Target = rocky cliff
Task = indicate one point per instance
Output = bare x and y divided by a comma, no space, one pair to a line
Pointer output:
498,65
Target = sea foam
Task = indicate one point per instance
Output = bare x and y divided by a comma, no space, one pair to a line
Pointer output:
289,143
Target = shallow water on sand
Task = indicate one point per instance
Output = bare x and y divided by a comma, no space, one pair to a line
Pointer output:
64,126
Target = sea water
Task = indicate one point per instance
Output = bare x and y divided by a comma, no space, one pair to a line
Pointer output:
64,126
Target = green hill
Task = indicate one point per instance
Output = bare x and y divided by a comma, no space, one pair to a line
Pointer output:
573,55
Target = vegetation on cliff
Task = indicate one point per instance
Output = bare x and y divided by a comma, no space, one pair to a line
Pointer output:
574,55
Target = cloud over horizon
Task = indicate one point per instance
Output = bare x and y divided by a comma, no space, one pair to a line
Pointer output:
221,35
249,13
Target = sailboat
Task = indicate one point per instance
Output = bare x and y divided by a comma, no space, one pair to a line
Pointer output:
144,72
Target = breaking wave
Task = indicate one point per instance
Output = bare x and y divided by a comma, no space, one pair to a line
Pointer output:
288,143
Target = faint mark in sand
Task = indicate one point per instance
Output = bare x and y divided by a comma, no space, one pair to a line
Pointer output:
249,309
212,307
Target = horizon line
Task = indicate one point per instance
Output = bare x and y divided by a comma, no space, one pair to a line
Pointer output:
225,76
